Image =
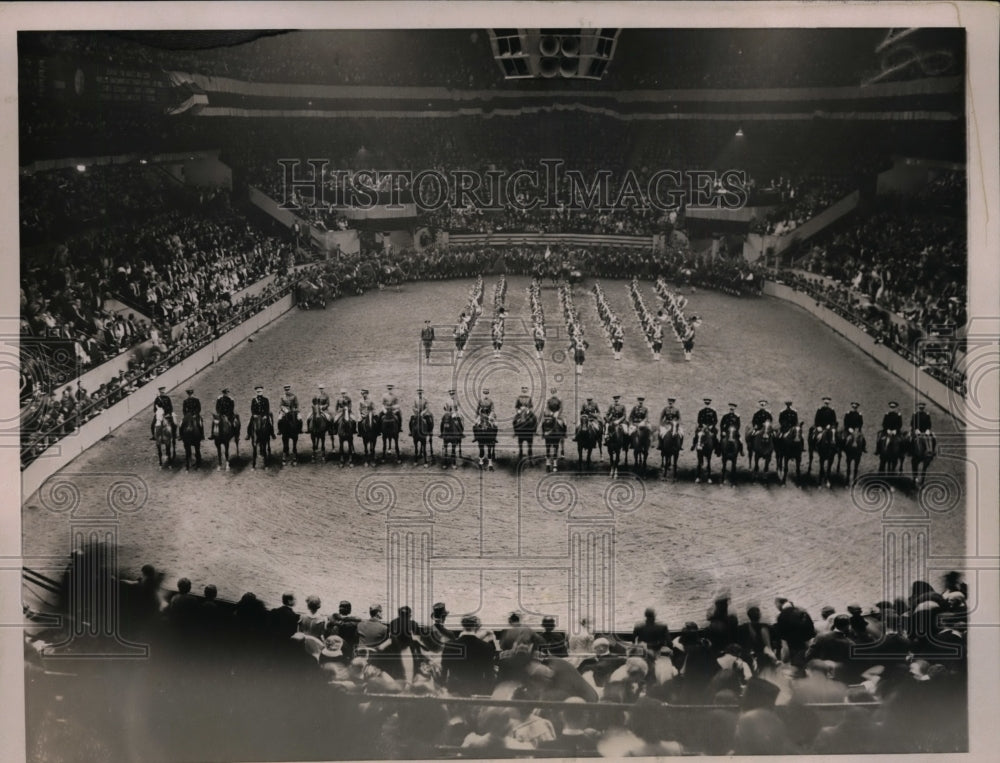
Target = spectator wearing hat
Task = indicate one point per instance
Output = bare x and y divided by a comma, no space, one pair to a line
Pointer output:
651,633
467,661
833,645
439,634
795,628
554,642
334,660
518,633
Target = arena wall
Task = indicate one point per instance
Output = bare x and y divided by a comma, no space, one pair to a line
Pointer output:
61,454
924,385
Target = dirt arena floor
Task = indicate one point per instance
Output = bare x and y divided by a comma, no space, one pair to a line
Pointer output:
325,530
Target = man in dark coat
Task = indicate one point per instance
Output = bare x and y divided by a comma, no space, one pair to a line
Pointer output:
467,661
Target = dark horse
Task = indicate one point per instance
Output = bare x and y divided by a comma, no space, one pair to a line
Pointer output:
344,427
728,450
525,424
369,430
224,430
588,437
670,445
704,447
891,452
639,442
554,432
191,435
921,454
617,442
852,445
289,427
259,434
788,448
452,432
760,445
485,435
388,426
422,432
319,426
163,431
824,444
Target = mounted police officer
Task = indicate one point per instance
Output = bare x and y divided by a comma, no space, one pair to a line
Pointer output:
192,407
616,412
485,407
225,407
788,418
420,406
707,417
321,404
261,406
390,404
638,417
427,337
760,416
164,403
853,422
366,406
523,401
732,419
669,414
590,411
920,423
826,417
553,406
892,423
343,407
290,402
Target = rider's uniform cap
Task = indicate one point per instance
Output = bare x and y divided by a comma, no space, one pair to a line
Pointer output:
616,397
921,405
893,404
419,391
671,399
788,402
364,392
826,399
288,386
189,391
762,402
259,386
732,405
590,398
388,386
426,321
552,390
855,405
225,390
161,389
524,389
486,392
451,392
640,399
707,400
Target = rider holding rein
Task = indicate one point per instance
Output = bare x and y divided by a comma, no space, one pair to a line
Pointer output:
485,407
760,416
892,422
920,423
366,406
225,407
825,417
290,402
788,418
523,401
707,417
261,406
192,407
616,412
732,419
669,414
163,402
390,403
554,405
639,415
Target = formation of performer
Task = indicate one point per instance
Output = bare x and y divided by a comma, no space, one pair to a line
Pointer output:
469,316
574,326
537,316
651,327
499,315
673,311
610,322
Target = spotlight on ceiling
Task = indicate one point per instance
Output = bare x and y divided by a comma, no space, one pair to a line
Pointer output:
739,133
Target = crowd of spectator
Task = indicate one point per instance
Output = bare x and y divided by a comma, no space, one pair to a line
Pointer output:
894,673
800,201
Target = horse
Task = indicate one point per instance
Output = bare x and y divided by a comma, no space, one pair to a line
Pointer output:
163,432
525,424
921,454
319,426
554,432
422,432
760,445
639,441
452,432
289,427
671,441
852,445
588,437
823,443
369,430
259,434
789,447
617,442
704,446
890,452
728,450
344,427
191,436
224,430
485,435
388,427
